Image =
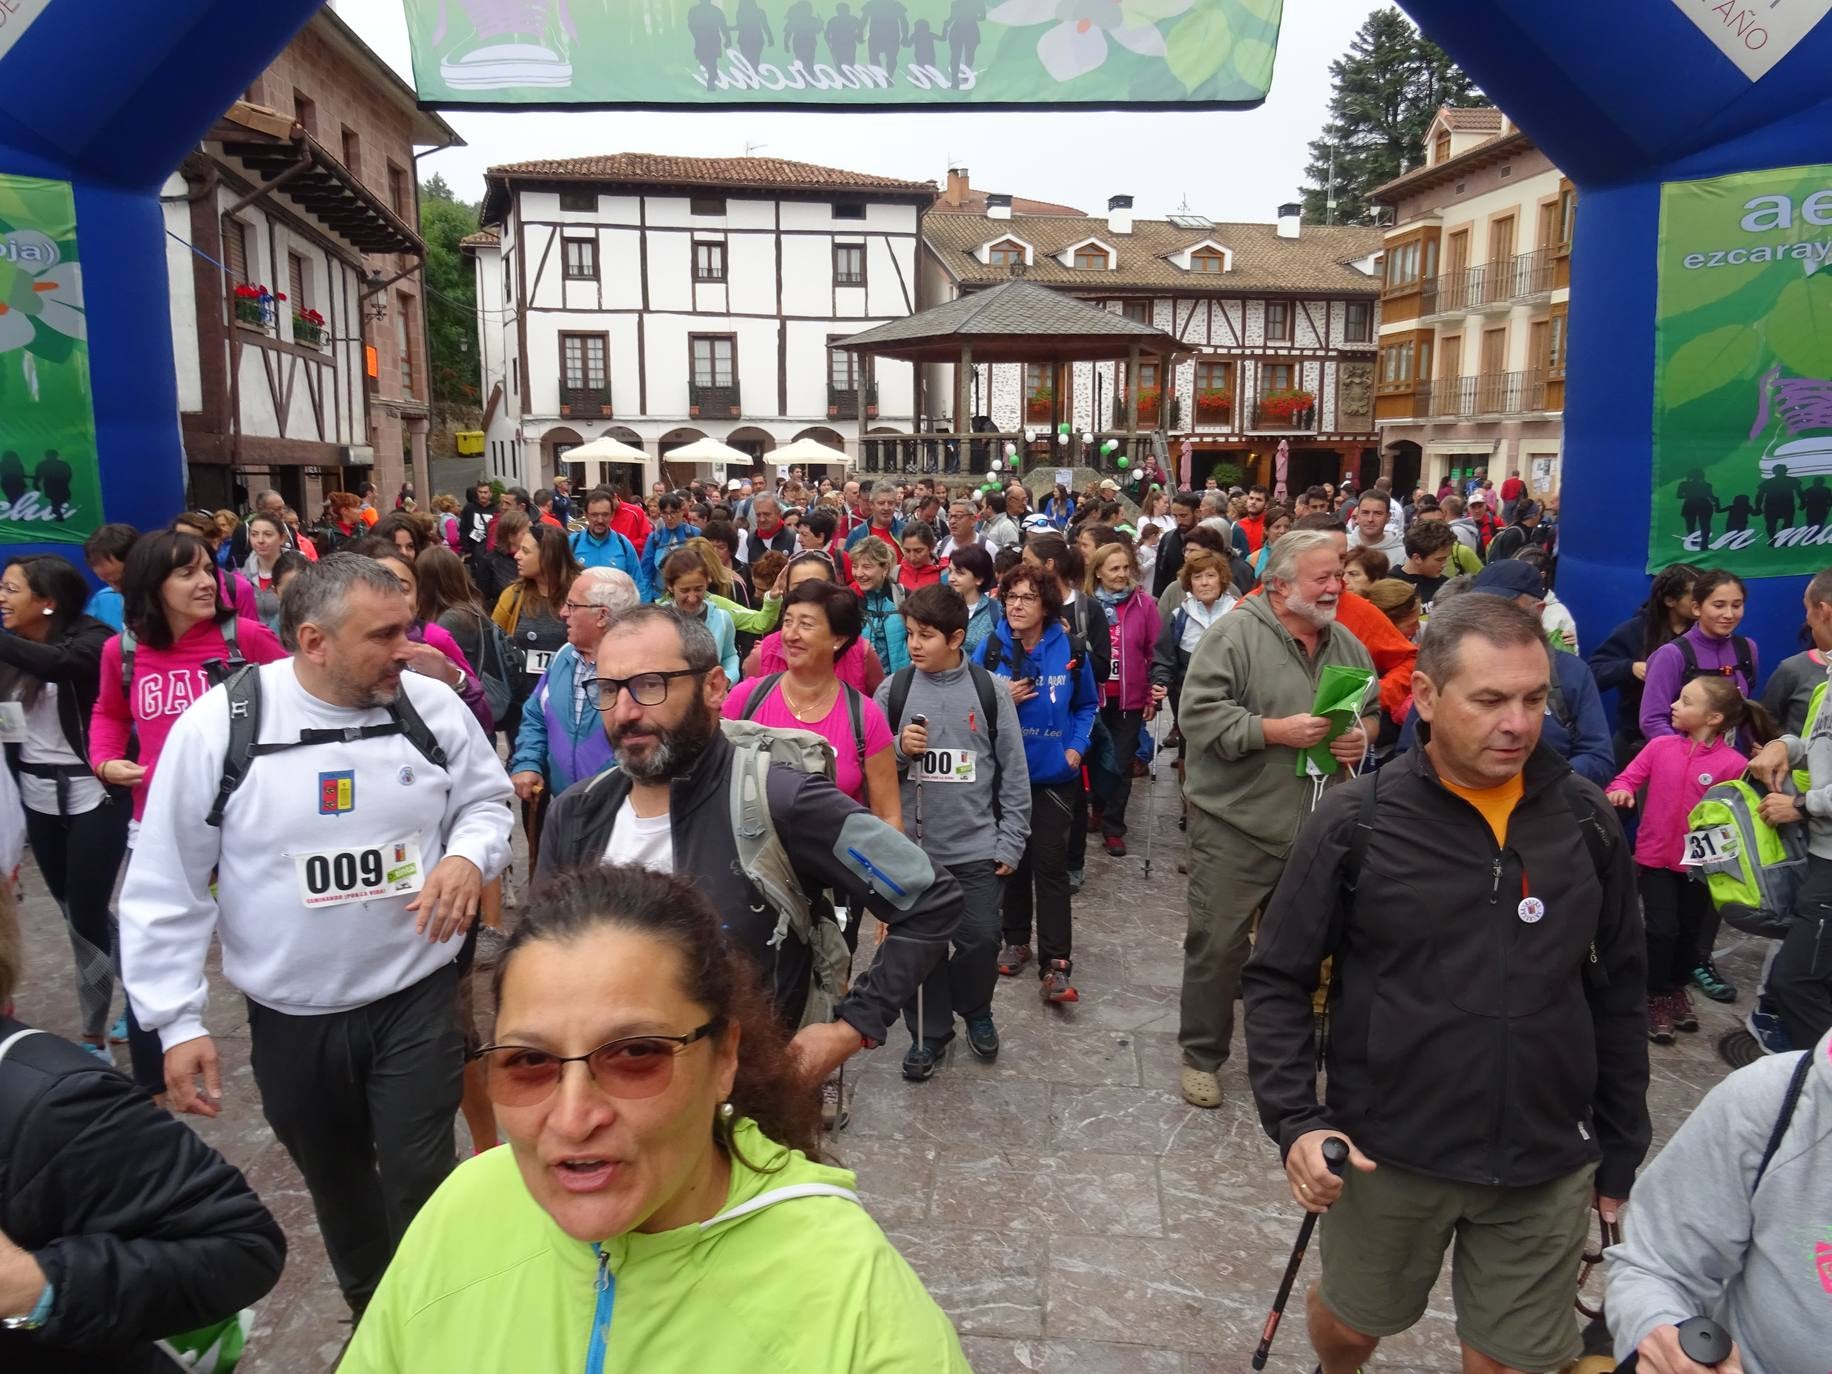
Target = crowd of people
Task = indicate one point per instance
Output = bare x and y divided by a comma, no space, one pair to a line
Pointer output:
753,733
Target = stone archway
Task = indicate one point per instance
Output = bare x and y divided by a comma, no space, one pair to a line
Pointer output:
752,440
554,445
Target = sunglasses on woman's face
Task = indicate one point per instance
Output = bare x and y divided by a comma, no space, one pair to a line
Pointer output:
634,1067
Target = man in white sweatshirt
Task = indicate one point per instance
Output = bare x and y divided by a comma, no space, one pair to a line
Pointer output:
345,862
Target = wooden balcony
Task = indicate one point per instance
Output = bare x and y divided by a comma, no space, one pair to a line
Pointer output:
843,402
713,402
584,401
1523,277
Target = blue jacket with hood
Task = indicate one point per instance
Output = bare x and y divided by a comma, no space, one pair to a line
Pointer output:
1061,716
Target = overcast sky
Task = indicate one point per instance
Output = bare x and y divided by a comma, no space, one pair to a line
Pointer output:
1227,165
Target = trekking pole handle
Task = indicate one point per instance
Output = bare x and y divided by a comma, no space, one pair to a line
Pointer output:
1704,1341
1335,1155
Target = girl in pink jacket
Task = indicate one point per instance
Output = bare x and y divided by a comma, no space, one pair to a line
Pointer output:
1676,770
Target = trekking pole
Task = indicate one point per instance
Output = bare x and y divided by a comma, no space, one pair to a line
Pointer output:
1335,1155
923,721
1151,814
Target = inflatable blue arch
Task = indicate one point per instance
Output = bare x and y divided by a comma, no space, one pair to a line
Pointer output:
110,94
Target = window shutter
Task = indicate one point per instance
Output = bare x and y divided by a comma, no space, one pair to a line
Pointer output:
235,249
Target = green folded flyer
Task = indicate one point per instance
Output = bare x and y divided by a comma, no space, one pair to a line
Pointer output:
1340,693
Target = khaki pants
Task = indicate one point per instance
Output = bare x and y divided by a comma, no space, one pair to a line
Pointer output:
1231,877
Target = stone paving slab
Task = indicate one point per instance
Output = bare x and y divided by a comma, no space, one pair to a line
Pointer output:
1066,1207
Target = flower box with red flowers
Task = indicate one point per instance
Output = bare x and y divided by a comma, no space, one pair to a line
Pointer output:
308,328
254,305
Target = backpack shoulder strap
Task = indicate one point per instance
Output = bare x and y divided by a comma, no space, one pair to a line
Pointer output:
1746,659
993,653
414,726
243,689
1687,652
900,696
128,644
1796,1085
764,687
855,711
1555,699
989,706
232,637
1596,840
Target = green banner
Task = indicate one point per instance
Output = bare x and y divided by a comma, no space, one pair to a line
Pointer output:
49,487
1743,374
843,54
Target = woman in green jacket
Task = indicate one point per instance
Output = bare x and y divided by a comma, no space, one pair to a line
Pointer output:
656,1207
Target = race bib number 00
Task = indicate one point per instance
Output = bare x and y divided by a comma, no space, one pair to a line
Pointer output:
332,877
1709,846
536,661
948,765
12,723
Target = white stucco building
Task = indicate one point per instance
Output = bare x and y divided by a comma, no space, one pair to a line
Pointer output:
665,299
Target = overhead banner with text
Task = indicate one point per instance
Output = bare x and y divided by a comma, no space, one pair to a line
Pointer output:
1743,380
708,54
50,489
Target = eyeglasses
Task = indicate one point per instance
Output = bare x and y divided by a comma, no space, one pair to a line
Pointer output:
570,606
634,1067
1023,599
646,689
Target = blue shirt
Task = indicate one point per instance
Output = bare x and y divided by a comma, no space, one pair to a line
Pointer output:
612,551
106,607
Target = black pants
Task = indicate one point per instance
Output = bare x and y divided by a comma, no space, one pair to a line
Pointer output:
1114,786
363,1101
1075,855
1044,871
962,984
1674,908
1800,979
80,857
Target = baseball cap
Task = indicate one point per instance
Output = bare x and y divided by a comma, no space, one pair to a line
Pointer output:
1510,577
1475,498
737,484
1108,484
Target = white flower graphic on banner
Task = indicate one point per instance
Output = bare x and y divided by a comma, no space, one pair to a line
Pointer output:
37,291
1076,42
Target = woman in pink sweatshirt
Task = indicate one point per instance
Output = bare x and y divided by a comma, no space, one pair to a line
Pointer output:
173,606
1676,770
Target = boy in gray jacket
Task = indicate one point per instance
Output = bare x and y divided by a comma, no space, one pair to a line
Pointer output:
960,753
1733,1220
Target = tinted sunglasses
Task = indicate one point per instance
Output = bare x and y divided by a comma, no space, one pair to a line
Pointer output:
636,1066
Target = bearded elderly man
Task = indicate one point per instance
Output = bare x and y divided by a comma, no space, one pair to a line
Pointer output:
1246,713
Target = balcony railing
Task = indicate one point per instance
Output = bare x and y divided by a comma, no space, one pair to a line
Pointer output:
1489,393
1149,401
1214,412
585,400
944,453
1519,278
705,401
843,402
1282,421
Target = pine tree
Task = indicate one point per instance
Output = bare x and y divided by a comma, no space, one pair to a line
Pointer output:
451,304
1387,88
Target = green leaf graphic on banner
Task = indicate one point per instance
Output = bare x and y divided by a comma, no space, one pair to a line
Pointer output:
1704,364
1267,10
1199,46
1799,326
1253,60
1150,11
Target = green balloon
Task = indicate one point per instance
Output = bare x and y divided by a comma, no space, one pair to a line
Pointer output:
1123,461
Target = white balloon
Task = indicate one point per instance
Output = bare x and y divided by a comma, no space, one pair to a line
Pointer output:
1061,438
1011,450
997,465
993,476
1087,438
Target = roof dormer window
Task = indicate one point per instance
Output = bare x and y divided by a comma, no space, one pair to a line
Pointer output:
1006,253
1208,260
1092,260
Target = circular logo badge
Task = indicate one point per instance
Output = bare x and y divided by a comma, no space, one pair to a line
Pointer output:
1704,779
1531,909
405,776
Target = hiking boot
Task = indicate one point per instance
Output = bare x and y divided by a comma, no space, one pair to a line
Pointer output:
1705,978
922,1059
1201,1088
1076,878
1116,846
1660,1019
1684,1017
1769,1032
983,1037
1055,985
1012,958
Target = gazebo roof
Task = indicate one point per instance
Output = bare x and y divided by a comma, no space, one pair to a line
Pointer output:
1016,322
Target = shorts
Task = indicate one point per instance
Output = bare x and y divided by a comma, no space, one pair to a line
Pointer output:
1514,1271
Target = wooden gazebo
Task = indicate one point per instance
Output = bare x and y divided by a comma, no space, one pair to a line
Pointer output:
1015,322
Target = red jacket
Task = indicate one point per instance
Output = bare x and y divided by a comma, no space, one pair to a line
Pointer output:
632,522
915,579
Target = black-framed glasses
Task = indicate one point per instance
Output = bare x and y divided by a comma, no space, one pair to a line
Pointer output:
647,689
635,1066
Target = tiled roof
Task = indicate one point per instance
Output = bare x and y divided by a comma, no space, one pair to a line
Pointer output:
1015,307
1317,260
975,204
483,238
772,173
1472,119
1453,166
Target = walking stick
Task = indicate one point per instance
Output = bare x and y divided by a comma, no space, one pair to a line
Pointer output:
922,721
1335,1155
1151,815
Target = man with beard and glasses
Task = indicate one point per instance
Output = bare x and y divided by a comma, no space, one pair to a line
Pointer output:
1246,713
370,812
667,807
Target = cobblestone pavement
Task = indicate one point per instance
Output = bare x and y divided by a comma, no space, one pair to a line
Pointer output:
1063,1204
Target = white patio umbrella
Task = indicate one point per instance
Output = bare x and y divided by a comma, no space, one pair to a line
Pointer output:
806,451
604,450
708,451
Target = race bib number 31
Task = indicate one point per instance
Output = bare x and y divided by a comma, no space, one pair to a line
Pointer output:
1709,846
332,877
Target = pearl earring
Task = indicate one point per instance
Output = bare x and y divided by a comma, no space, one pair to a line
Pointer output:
48,610
726,1112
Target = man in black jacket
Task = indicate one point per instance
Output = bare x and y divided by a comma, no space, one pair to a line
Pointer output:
660,688
474,520
1487,1050
1183,508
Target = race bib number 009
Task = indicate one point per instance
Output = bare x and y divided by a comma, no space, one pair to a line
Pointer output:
332,877
948,765
1709,846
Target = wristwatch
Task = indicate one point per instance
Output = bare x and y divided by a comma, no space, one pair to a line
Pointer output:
37,1317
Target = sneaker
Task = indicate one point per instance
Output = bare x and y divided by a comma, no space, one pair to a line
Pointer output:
117,1033
1768,1031
100,1052
1660,1019
1705,978
1684,1017
1054,983
1013,958
922,1059
983,1037
1076,878
1116,846
1201,1088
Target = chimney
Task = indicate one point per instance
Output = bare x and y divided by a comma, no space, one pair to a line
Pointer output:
998,207
1119,214
1289,219
957,191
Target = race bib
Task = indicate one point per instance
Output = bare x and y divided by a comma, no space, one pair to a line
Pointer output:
1709,846
12,723
947,765
536,661
1113,666
332,877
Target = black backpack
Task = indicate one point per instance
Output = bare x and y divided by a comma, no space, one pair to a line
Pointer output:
1745,664
244,692
982,683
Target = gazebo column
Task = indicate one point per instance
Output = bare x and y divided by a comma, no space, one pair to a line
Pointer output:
862,374
963,405
1132,400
